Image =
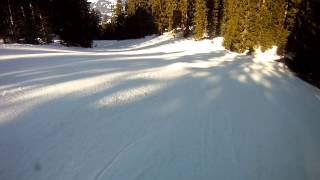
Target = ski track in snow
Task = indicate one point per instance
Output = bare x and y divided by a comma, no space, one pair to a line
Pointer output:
154,108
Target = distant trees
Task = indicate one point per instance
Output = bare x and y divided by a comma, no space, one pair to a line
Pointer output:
76,24
32,21
22,20
5,20
36,21
244,24
292,25
158,16
132,19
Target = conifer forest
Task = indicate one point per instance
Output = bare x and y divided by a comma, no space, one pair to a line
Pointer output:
292,25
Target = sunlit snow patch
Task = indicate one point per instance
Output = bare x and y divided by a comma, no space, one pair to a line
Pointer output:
267,56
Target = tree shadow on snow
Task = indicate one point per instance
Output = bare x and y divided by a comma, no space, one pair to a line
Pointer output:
146,114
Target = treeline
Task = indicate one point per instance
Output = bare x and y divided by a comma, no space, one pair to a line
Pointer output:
292,25
37,21
244,24
137,18
129,21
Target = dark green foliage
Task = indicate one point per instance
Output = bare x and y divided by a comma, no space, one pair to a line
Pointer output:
137,24
190,18
215,17
140,24
183,9
76,24
36,21
5,23
173,14
304,42
292,25
200,19
235,27
255,23
218,10
143,17
21,20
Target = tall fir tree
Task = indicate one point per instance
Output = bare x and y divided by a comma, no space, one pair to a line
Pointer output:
171,11
217,17
200,19
234,25
254,23
159,13
6,31
131,9
183,8
76,23
303,44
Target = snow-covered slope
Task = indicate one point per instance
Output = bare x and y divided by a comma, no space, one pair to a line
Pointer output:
153,108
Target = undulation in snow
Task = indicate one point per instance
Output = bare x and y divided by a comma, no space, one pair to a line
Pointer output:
154,108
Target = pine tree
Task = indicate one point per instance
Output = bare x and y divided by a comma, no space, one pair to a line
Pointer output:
119,20
210,18
190,18
270,24
217,17
171,8
45,20
131,7
200,19
5,22
304,41
75,22
118,10
255,23
158,8
234,25
183,8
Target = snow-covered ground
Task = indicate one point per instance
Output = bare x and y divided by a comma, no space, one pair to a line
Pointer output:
154,108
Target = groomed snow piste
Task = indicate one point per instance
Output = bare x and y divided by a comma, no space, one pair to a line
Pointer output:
154,109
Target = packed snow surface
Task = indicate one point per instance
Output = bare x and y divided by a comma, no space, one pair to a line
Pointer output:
154,108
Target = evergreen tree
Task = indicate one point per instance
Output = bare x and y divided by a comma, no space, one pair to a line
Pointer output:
131,9
183,8
34,21
255,23
171,8
75,22
5,22
200,19
234,25
217,17
304,41
210,17
158,8
45,20
119,21
190,17
271,17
